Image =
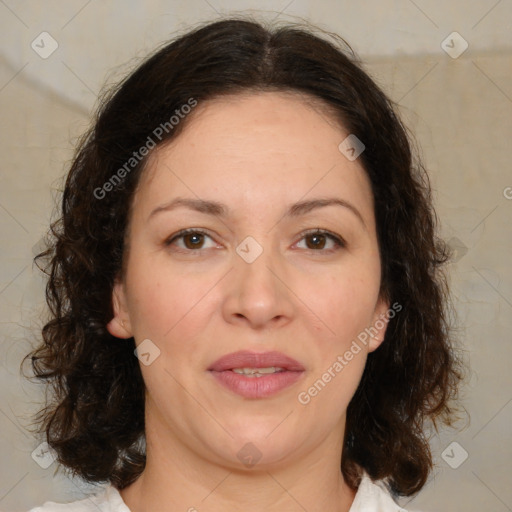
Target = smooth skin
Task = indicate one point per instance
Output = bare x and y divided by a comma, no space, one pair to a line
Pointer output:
197,299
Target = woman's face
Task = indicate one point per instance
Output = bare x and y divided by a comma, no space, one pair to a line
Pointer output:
249,172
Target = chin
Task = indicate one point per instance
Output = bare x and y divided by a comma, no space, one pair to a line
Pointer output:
256,427
264,443
261,455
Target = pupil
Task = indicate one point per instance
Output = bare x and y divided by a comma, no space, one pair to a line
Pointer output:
316,237
195,236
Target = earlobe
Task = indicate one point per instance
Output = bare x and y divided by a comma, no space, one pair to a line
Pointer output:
119,326
379,325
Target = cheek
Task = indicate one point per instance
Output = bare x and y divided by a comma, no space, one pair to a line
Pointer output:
343,303
345,309
163,301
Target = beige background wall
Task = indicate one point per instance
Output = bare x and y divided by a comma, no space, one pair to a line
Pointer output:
459,108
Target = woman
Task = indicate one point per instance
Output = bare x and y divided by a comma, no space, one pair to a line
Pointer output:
246,217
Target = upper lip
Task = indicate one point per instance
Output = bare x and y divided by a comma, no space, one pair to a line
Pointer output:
247,359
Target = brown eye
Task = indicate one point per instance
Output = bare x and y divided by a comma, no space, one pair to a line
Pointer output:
318,239
192,240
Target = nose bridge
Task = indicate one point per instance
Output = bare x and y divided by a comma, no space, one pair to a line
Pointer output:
256,292
254,262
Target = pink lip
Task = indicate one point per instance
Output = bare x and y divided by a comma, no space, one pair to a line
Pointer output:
246,359
256,387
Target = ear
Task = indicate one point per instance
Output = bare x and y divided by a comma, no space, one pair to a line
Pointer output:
119,326
379,324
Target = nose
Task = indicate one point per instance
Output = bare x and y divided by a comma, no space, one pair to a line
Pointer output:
259,293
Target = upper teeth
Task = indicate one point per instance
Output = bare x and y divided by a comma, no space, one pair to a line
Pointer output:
257,372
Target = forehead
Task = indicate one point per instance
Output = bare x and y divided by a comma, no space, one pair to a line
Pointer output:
261,146
274,117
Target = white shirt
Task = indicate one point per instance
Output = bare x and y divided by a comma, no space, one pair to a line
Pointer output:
370,497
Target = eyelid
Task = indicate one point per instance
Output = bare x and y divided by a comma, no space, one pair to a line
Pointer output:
187,231
337,239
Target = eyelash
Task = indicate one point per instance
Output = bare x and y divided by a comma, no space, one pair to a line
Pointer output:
338,241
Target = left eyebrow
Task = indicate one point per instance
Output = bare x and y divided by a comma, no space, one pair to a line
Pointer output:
221,210
303,207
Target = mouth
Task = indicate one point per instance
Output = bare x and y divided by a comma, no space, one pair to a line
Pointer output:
257,372
256,375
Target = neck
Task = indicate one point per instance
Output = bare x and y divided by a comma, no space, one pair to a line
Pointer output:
179,480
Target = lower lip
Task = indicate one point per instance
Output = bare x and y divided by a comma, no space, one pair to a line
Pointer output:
257,387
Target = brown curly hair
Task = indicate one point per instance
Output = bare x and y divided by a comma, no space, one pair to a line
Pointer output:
94,414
